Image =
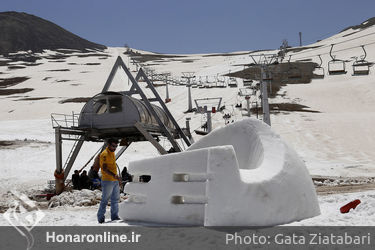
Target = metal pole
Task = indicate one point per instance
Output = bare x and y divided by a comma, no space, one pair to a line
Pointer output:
248,105
59,172
166,90
264,94
188,76
58,147
73,157
190,108
209,122
188,128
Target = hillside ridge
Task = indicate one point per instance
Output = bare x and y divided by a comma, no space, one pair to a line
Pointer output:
23,32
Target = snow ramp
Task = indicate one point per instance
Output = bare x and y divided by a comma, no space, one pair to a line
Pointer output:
242,174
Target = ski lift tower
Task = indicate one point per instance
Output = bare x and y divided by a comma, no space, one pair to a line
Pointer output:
265,79
188,76
165,76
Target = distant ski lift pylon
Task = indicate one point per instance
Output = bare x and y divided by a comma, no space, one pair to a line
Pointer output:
318,72
361,66
336,66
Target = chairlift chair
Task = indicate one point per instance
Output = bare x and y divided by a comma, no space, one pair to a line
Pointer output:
232,82
209,82
220,81
193,83
336,66
318,72
198,83
183,81
361,66
247,82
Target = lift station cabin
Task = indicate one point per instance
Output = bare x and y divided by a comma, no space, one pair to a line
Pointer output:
116,115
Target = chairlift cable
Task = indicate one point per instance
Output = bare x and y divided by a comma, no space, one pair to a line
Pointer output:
325,46
354,47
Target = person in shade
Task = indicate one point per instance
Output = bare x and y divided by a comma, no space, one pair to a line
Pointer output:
110,181
75,180
94,178
84,180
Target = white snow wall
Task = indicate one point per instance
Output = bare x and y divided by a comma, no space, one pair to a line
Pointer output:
240,175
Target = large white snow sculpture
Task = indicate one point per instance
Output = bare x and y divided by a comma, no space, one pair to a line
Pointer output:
240,175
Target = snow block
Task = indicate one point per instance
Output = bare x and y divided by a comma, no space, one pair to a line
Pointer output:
240,175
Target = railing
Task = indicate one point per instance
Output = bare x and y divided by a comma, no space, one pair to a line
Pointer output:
64,120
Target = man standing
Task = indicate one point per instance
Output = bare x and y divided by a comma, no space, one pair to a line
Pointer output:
110,181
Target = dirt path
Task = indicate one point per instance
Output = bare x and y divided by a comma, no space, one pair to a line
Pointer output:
327,190
326,185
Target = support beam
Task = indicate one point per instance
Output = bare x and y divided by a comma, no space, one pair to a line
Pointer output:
150,139
111,75
58,149
73,156
165,108
122,150
209,122
153,112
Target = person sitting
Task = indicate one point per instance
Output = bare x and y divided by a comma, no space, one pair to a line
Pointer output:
75,180
94,178
84,180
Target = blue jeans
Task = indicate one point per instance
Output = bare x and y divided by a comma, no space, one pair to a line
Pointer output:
109,189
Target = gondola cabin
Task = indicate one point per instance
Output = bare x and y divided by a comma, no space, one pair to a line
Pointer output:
116,113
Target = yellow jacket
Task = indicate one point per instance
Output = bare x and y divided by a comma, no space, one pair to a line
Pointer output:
107,157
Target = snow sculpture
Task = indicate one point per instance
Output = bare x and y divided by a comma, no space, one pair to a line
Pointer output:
240,175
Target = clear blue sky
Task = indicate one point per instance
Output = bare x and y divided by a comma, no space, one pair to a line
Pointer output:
198,26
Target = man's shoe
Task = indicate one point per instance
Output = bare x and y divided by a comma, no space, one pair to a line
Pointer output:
117,218
101,220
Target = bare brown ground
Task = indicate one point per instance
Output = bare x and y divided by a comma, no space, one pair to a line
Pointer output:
342,184
14,91
327,190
